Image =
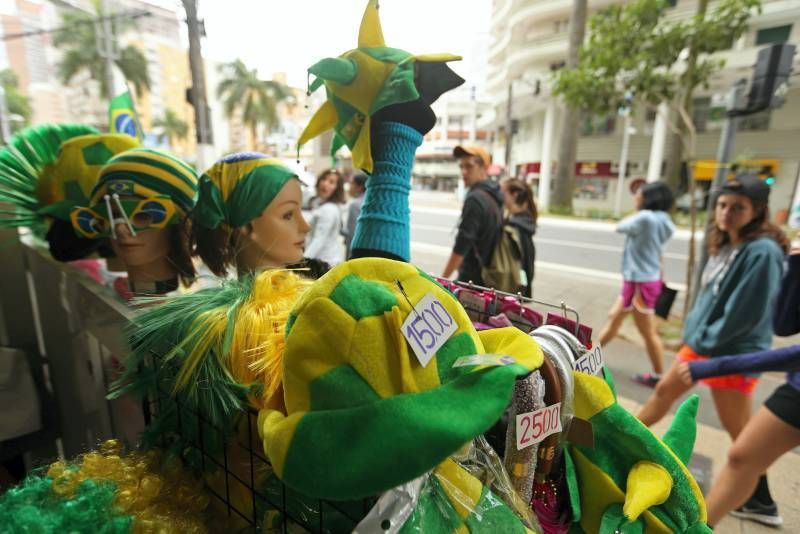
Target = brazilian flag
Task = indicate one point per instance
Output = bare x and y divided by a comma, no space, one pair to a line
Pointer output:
122,116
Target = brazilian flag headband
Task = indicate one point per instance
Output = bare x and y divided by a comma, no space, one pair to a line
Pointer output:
238,188
367,79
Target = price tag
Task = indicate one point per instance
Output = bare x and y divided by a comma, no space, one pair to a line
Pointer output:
484,359
533,427
592,362
427,327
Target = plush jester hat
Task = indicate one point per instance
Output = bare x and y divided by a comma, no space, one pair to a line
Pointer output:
362,414
367,79
631,481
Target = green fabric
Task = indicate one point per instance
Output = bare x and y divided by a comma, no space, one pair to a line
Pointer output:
457,346
362,298
122,117
433,514
400,88
254,181
492,515
336,69
339,389
572,486
682,432
615,521
97,153
362,466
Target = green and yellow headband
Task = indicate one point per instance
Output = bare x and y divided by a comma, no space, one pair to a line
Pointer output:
367,79
238,188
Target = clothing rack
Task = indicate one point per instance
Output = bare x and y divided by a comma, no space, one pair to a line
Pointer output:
562,306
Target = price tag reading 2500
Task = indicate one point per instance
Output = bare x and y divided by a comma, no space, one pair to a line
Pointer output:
533,427
427,327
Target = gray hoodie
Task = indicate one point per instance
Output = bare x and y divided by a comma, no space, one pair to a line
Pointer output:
646,232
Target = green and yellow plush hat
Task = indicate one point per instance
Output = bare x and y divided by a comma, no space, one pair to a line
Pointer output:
236,189
356,396
26,163
146,188
68,182
369,78
631,481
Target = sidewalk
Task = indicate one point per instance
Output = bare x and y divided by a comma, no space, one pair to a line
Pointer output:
592,297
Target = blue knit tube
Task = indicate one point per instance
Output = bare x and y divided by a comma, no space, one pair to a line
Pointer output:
384,224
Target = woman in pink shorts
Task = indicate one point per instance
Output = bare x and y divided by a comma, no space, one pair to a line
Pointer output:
646,232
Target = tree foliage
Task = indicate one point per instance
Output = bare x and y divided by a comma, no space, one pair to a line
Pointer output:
632,49
16,103
79,43
257,100
171,127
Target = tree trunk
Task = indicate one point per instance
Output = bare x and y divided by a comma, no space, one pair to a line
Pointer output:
254,136
198,90
672,174
570,119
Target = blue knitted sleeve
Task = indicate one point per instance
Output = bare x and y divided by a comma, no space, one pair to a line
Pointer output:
384,224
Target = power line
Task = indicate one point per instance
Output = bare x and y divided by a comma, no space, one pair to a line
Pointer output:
139,13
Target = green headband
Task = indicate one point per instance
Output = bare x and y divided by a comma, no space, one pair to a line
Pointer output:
238,188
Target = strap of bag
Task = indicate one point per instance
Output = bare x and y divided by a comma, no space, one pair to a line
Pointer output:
500,223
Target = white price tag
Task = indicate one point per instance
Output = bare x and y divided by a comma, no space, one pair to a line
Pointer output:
592,362
484,359
533,427
427,327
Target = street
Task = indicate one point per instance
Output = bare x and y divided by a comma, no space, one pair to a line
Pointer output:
578,262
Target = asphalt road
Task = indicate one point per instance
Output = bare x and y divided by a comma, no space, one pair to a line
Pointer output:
572,245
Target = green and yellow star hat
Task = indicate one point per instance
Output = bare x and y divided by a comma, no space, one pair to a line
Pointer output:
367,79
363,415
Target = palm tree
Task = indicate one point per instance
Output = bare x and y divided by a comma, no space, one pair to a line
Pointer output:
172,127
79,44
242,90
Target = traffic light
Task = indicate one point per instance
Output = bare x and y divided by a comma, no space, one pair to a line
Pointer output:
770,77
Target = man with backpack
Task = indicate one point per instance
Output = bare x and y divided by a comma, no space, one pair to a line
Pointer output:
481,217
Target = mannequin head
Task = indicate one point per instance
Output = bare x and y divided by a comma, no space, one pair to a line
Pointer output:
140,201
248,215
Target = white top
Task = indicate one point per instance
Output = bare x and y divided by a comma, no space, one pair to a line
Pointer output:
323,241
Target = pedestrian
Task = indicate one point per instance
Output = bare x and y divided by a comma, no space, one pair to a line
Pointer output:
522,216
358,186
773,431
481,216
646,232
323,243
731,314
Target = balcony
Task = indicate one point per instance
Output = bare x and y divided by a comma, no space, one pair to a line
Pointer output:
536,54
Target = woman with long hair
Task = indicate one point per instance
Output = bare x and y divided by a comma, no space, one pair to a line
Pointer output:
326,219
522,216
646,232
732,313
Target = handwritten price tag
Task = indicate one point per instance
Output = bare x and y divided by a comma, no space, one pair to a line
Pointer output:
427,327
592,363
533,427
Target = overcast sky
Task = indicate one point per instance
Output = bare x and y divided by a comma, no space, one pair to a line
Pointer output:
291,35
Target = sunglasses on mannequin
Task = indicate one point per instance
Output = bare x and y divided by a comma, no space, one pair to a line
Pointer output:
137,214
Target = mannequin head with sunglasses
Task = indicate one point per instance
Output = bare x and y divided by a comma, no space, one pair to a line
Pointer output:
140,202
248,215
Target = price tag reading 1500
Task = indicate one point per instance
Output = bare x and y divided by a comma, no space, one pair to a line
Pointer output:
427,327
592,363
533,427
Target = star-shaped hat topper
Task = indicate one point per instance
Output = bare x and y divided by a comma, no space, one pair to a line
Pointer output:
371,77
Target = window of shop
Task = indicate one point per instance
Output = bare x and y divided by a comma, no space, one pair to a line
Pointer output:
774,35
597,125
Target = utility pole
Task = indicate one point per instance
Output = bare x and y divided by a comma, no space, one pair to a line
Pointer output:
107,47
623,160
509,126
198,89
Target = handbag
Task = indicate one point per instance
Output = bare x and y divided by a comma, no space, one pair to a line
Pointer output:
665,300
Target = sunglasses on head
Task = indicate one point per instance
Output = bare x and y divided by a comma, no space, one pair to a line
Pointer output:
137,214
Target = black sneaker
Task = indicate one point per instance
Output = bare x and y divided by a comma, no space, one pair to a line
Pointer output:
766,514
647,379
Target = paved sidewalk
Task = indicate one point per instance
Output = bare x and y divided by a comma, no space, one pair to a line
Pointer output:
592,297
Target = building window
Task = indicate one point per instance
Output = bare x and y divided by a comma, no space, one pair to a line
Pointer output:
598,125
774,35
755,122
700,112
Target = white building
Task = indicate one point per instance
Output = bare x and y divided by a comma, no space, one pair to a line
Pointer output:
529,41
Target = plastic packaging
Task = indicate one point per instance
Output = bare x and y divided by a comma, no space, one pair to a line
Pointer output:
521,464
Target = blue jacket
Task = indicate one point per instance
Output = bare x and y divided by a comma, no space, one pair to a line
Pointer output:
733,315
646,232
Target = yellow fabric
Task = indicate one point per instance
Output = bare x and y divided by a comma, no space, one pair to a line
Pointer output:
649,484
512,341
226,175
598,491
165,176
322,121
463,489
592,395
370,33
280,430
71,166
